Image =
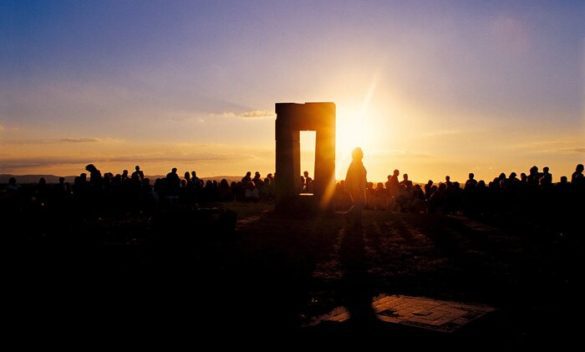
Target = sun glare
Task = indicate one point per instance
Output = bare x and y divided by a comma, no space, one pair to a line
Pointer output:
355,128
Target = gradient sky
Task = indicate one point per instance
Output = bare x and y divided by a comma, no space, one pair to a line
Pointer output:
428,87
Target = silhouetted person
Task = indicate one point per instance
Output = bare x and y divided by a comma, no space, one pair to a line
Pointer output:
512,181
269,186
392,185
269,179
137,175
308,183
247,178
12,186
563,186
124,177
533,176
429,189
173,182
355,184
195,181
471,183
546,178
578,179
406,184
95,176
258,182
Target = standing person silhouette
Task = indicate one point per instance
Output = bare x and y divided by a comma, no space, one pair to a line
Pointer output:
355,183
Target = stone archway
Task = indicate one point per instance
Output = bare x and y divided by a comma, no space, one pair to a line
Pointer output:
291,119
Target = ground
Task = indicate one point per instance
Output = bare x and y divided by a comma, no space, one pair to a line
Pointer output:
523,275
444,277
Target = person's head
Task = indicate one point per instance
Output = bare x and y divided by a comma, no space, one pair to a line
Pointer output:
90,167
357,154
471,175
545,169
448,178
12,181
248,174
174,170
579,168
306,173
257,174
430,183
534,170
564,179
389,177
512,176
42,181
193,174
396,172
137,168
187,175
405,176
61,180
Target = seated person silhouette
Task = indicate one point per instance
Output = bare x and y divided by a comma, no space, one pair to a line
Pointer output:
355,184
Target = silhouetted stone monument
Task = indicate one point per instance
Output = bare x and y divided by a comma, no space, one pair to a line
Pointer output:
291,119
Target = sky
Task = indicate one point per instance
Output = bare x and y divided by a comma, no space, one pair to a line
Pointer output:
431,88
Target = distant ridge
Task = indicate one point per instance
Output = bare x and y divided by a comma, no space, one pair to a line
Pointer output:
34,178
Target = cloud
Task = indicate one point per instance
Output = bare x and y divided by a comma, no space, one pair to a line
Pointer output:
79,140
257,114
547,147
247,115
573,150
55,140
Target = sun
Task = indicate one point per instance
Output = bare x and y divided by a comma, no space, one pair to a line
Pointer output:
354,129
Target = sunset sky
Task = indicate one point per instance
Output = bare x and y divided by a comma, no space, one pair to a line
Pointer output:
429,87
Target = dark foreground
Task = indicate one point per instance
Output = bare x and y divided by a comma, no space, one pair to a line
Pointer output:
275,274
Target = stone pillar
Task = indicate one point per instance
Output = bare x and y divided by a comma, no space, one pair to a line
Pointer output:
324,160
287,147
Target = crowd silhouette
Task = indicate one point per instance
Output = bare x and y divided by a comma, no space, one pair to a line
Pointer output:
451,195
94,191
533,194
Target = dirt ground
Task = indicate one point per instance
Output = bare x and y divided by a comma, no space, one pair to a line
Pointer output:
279,274
317,264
